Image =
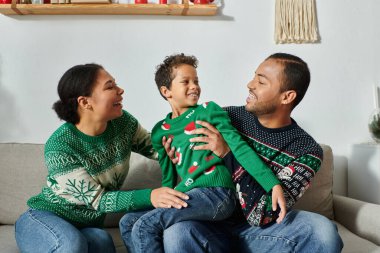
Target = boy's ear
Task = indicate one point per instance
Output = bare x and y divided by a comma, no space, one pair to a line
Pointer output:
165,92
83,103
289,96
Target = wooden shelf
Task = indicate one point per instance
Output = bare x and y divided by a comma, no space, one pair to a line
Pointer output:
110,9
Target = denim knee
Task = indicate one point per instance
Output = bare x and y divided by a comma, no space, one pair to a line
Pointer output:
128,220
322,233
99,240
42,231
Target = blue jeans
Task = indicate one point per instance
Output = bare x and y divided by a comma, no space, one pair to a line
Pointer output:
143,231
42,231
300,231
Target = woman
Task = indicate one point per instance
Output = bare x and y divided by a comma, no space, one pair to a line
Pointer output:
87,160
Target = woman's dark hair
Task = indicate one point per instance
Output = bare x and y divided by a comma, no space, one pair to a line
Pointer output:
75,82
164,73
296,75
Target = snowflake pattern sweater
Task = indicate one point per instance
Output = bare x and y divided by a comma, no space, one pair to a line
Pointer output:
199,168
85,172
291,153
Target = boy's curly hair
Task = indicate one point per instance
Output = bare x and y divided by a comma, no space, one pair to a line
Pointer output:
164,71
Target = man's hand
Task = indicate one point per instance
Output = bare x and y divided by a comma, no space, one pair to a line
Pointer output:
279,199
170,151
166,197
211,137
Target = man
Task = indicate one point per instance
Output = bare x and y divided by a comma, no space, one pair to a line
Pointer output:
279,84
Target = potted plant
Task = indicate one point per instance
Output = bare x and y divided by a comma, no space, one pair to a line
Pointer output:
374,125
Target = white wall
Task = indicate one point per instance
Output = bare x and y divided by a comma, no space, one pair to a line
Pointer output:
36,50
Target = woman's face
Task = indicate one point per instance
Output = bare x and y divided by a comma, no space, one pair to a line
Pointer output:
106,98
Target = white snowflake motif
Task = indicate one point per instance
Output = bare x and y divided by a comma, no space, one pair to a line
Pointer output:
82,191
286,173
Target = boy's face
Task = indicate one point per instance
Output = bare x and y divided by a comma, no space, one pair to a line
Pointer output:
184,91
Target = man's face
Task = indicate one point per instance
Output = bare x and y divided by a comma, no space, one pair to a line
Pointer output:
264,90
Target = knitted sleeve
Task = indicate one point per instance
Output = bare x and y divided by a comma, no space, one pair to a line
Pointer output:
125,201
169,173
241,150
297,175
142,143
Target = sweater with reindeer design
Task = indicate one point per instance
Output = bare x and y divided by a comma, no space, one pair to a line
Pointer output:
85,173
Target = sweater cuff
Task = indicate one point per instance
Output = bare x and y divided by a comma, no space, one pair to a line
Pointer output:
270,182
141,199
230,162
125,201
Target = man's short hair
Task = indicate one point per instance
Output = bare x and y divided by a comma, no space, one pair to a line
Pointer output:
296,74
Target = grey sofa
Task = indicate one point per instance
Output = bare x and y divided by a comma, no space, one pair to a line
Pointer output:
23,174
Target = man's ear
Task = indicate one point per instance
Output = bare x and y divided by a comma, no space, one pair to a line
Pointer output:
83,103
165,92
289,96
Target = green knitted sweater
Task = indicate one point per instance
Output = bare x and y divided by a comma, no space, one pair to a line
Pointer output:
202,168
85,172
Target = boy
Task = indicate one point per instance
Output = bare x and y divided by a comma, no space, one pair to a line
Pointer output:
203,175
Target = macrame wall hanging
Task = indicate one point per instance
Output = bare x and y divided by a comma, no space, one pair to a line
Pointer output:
296,21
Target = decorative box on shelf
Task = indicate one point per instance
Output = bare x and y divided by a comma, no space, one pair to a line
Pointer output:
184,9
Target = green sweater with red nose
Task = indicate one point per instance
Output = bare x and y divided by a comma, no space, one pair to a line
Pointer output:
202,168
85,173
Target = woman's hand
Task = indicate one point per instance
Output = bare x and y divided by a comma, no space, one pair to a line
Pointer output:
279,199
212,138
166,197
169,150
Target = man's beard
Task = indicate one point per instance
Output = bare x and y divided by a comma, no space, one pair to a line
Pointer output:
261,109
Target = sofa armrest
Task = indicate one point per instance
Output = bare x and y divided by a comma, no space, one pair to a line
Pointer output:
360,217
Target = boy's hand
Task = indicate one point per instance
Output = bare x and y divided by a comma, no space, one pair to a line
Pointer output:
166,197
211,137
279,199
169,150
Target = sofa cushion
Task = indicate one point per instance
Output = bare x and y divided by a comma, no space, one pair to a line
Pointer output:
143,173
355,244
23,174
7,239
318,198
